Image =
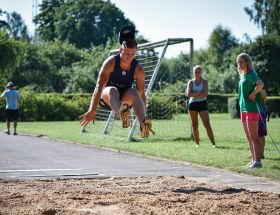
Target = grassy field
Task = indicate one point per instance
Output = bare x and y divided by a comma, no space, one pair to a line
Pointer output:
232,153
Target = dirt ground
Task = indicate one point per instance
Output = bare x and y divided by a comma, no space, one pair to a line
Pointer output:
131,195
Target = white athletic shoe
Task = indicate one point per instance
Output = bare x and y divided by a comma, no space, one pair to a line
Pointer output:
255,164
249,164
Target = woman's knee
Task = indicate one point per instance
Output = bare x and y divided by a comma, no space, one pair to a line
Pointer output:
110,91
114,92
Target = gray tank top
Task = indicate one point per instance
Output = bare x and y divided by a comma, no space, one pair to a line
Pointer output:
197,88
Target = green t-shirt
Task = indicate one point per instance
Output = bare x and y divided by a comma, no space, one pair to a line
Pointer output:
247,85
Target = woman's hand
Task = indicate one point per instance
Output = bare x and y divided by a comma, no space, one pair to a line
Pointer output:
86,118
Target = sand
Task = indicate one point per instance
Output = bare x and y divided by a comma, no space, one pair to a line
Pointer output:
131,195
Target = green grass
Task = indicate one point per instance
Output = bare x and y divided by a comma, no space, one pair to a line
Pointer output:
232,154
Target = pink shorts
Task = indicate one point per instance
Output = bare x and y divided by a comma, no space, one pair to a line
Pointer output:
249,116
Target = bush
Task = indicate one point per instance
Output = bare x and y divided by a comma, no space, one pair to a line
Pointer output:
165,105
161,106
273,104
233,108
217,103
65,107
50,106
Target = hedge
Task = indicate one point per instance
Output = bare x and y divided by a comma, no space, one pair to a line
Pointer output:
273,104
50,106
67,107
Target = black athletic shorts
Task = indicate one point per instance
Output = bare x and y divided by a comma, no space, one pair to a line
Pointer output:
103,104
198,106
12,115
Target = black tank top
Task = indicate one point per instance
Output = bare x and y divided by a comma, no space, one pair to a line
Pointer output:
121,78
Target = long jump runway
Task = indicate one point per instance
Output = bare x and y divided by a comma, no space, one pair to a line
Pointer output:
28,157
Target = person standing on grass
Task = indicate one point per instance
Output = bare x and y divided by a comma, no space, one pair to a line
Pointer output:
12,106
197,90
114,85
249,89
262,130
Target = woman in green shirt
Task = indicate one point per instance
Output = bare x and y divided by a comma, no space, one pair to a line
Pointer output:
250,86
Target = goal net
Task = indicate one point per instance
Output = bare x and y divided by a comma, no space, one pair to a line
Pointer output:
168,66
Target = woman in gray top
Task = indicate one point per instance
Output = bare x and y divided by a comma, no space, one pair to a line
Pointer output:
197,91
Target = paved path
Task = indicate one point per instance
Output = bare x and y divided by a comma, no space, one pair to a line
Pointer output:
28,157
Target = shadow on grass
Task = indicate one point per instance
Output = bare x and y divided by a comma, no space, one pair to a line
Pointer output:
272,159
227,147
275,167
160,139
204,189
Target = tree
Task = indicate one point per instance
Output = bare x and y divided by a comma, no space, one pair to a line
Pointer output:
265,52
84,23
170,68
14,25
82,76
89,22
3,24
46,19
17,28
220,40
266,14
213,61
11,53
42,64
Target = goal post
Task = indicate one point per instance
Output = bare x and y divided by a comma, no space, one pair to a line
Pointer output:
151,55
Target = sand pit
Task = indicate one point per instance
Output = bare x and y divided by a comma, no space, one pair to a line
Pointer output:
131,195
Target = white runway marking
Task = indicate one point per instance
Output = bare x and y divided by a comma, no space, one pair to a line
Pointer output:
35,170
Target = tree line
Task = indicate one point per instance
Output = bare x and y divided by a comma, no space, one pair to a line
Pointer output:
74,37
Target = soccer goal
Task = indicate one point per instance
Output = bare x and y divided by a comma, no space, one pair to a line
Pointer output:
168,66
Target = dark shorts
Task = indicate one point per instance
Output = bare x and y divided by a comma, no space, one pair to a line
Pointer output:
12,115
262,125
103,104
198,106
